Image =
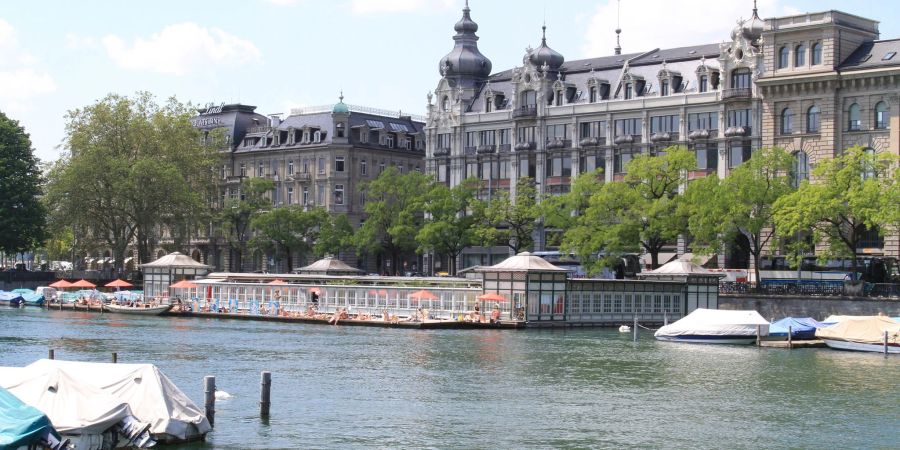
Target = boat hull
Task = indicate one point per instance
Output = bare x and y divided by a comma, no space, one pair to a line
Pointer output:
153,311
709,339
861,347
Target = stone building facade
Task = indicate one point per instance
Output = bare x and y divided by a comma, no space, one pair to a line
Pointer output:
551,119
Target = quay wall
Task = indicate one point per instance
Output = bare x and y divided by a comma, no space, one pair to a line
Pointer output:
816,307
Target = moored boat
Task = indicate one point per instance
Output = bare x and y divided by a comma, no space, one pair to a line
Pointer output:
11,299
146,310
801,328
715,326
866,334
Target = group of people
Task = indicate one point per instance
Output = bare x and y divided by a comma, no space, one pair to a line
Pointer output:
476,316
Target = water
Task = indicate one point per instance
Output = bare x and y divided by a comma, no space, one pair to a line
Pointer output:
342,387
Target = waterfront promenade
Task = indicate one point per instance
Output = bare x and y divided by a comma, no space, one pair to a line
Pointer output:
336,387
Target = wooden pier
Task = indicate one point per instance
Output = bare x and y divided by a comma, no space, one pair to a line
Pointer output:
815,343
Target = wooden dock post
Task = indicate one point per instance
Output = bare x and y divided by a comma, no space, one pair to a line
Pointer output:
209,396
885,344
115,357
758,335
265,385
51,354
665,318
635,329
790,338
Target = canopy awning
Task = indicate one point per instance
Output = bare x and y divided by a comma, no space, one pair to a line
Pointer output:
82,283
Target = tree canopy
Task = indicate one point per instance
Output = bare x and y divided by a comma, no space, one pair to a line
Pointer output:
237,214
451,214
510,221
24,219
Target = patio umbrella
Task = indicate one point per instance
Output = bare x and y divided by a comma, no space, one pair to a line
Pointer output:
61,284
118,284
315,290
423,295
183,284
492,297
277,282
82,283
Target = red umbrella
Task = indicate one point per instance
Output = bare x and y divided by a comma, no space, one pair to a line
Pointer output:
61,284
183,284
423,295
119,284
83,284
492,297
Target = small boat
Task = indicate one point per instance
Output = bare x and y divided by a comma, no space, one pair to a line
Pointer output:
865,334
31,297
11,299
801,328
146,310
25,426
715,326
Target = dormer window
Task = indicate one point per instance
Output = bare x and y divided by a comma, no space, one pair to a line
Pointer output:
592,94
339,130
628,90
703,85
445,104
664,88
317,136
559,97
489,104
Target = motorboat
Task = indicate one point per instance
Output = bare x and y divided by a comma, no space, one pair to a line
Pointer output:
716,326
141,309
30,297
25,426
865,334
11,299
801,328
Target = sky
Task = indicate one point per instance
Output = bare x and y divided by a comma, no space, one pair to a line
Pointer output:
60,55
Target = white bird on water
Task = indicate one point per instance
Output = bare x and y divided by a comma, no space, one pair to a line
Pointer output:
222,395
624,329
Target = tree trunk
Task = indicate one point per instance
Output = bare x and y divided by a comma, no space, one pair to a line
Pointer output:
756,270
654,259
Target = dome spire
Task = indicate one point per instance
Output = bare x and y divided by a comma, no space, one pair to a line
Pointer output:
618,49
465,64
546,55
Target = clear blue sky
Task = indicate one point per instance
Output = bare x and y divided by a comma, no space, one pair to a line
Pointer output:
57,55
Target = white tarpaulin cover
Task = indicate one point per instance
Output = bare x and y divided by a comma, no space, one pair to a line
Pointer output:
717,322
152,396
867,330
72,406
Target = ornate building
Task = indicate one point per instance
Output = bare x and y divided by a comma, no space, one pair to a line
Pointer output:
813,83
316,157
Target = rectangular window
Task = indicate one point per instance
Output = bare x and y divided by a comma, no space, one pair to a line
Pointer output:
290,195
381,167
321,165
305,165
471,139
290,167
556,132
243,170
739,118
320,195
740,79
259,170
525,135
621,158
626,127
487,137
593,94
703,121
503,136
363,167
443,141
707,156
627,91
664,88
704,83
389,140
305,195
739,153
664,124
338,163
339,194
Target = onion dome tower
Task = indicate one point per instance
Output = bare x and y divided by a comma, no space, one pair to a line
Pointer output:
465,65
546,55
753,28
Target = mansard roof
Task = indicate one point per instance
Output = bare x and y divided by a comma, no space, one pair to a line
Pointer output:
873,54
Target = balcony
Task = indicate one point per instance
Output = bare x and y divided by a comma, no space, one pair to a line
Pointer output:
661,137
301,177
627,139
553,144
589,142
699,134
485,149
441,152
738,131
736,93
505,148
525,146
525,111
470,150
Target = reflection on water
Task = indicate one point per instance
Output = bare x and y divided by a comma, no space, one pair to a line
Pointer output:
338,387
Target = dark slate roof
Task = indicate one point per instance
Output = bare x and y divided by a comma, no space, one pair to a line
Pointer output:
358,119
679,54
871,54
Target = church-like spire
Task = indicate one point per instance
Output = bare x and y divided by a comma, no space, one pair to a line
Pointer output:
618,49
465,64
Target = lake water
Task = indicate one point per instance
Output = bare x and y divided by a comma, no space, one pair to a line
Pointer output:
344,387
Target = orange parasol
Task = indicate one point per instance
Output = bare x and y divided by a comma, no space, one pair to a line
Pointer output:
119,284
315,290
82,283
492,297
183,284
61,284
277,282
423,295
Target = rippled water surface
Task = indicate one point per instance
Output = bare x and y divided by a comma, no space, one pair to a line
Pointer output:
341,387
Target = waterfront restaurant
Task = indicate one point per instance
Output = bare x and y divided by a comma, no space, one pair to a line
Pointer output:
160,274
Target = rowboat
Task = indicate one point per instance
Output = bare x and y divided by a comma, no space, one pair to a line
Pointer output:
139,309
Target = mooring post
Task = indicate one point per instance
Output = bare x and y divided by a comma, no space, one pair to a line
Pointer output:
885,344
115,357
635,329
209,396
758,335
790,338
665,318
51,354
265,386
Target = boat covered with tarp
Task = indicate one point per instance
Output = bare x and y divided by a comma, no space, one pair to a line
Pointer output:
24,426
11,299
801,328
30,297
85,415
865,334
715,326
152,396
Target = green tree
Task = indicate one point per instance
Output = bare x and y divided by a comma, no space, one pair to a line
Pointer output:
451,214
562,211
741,204
24,218
638,213
132,166
335,235
287,231
846,199
237,214
510,222
393,214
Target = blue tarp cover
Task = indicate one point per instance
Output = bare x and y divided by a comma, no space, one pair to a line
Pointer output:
799,325
20,424
7,297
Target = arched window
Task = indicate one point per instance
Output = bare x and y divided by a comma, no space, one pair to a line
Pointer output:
817,54
853,122
787,121
812,119
800,169
783,57
445,103
881,116
800,55
317,136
